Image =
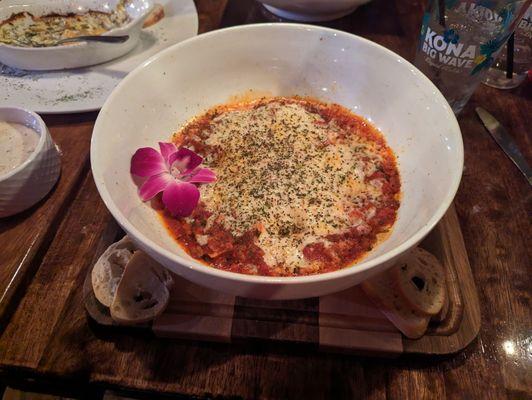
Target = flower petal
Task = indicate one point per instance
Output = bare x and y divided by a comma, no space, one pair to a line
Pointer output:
155,185
185,160
147,162
167,149
201,175
180,198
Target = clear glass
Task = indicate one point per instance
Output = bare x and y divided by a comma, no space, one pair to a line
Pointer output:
459,41
496,75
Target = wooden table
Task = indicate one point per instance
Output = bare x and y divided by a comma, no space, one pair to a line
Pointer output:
45,337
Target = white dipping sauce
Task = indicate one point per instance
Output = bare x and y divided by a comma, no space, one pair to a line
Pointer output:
17,142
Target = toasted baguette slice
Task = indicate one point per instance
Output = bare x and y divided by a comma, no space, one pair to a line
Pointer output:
109,268
155,16
142,293
382,291
164,276
421,281
440,317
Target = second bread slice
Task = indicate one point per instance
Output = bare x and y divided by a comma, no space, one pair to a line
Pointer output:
383,292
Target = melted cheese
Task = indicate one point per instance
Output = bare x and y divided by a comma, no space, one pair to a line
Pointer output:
293,175
24,29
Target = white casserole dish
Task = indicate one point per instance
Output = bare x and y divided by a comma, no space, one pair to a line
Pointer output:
78,54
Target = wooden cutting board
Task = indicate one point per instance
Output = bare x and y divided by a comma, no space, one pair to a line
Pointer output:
341,322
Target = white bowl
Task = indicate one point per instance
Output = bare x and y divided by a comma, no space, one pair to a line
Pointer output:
312,10
280,59
77,54
32,180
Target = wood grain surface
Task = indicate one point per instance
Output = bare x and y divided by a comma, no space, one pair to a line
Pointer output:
48,339
344,322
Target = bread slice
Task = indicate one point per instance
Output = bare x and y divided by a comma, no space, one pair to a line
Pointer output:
440,317
421,282
155,16
130,283
382,290
142,293
109,268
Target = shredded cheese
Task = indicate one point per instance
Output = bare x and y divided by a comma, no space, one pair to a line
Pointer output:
26,30
289,172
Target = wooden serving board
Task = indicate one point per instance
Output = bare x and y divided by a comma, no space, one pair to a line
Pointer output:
341,322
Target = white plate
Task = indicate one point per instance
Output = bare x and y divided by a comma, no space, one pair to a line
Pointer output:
87,89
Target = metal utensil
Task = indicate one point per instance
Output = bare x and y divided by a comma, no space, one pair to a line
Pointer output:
95,38
505,142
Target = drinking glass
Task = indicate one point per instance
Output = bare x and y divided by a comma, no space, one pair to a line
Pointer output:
459,41
500,75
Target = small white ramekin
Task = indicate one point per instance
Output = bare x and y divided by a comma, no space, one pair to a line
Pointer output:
32,180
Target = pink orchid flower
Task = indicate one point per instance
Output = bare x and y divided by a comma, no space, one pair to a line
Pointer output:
172,171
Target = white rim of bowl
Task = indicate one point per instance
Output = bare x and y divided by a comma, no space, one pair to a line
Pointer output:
291,280
42,131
